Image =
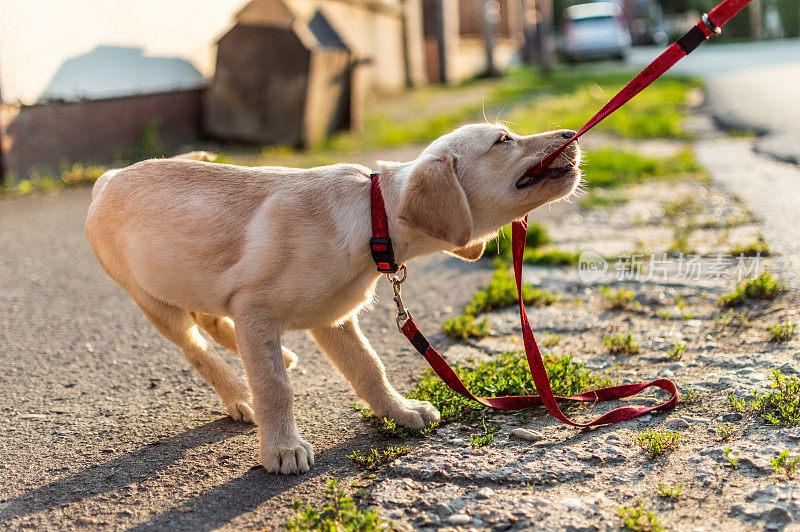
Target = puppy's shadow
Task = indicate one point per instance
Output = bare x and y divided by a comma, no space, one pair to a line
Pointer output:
207,511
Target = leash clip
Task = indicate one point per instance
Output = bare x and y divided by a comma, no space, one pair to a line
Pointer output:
403,314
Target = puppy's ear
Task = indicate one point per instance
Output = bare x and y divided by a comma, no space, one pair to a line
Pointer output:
470,252
434,202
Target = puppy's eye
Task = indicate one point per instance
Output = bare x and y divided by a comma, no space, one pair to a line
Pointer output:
503,138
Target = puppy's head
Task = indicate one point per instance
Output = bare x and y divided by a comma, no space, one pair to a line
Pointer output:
469,183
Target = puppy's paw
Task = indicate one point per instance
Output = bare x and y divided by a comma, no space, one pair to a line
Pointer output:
410,413
240,411
290,457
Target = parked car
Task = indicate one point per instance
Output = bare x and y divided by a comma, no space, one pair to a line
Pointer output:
594,30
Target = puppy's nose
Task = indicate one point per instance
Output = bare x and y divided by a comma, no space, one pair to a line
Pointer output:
568,134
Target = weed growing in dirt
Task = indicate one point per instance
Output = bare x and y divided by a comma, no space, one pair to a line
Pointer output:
388,427
658,443
731,318
765,286
598,199
689,397
507,374
338,513
621,344
550,340
535,237
724,431
550,257
616,299
733,461
784,464
680,302
781,333
669,492
502,292
782,405
487,437
639,519
612,168
373,458
70,176
466,326
676,353
757,248
685,206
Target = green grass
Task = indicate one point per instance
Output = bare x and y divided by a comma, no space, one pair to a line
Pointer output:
506,374
620,344
616,299
784,464
502,292
676,353
781,406
69,176
639,519
388,427
724,431
669,492
613,168
599,198
372,458
501,244
550,339
731,459
657,443
657,112
465,326
338,513
731,318
781,332
758,247
765,286
685,206
550,257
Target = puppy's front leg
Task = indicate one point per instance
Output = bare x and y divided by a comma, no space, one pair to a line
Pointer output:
281,448
350,351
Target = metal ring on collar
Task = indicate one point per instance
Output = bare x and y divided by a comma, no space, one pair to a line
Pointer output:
713,28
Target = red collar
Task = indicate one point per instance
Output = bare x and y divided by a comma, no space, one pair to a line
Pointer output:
380,244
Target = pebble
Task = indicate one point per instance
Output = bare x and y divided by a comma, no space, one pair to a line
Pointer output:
573,503
696,419
732,417
527,435
779,515
676,366
459,519
484,493
676,423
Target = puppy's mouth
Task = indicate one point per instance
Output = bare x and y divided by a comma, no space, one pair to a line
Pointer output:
528,181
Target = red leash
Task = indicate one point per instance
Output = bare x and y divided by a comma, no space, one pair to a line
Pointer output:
381,249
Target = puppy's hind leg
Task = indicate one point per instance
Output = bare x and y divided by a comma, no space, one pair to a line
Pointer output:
177,326
223,331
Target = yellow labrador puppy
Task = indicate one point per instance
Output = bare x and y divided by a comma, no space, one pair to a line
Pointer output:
269,249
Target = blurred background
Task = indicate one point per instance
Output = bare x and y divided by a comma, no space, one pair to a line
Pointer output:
104,81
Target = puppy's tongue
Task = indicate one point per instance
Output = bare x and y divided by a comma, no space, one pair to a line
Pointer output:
542,165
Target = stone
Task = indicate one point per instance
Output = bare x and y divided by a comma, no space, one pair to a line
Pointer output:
676,423
779,515
459,519
573,503
732,417
527,435
696,419
484,493
442,510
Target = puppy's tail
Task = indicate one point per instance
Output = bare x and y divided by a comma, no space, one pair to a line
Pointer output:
102,181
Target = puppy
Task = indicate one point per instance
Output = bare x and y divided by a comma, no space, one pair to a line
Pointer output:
206,246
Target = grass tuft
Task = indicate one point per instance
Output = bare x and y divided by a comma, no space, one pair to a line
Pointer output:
784,464
372,458
669,492
621,344
781,332
616,299
676,353
339,512
639,519
507,374
758,248
732,461
657,443
465,326
765,286
502,292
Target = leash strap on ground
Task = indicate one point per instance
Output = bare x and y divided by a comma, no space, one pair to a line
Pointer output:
710,25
